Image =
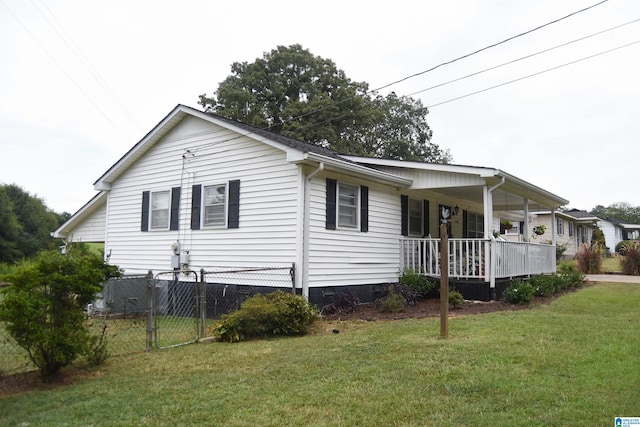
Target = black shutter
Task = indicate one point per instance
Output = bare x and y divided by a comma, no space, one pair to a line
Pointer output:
196,203
465,225
331,204
364,209
425,218
404,215
144,223
174,213
234,204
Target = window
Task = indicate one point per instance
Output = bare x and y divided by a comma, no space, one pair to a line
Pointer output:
560,226
571,230
160,210
415,218
215,205
347,206
475,225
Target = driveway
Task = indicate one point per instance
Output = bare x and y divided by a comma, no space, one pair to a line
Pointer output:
619,278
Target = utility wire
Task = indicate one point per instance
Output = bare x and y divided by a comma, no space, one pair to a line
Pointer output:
522,58
445,63
77,52
490,46
75,83
532,75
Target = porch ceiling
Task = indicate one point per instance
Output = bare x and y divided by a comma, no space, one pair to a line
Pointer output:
503,200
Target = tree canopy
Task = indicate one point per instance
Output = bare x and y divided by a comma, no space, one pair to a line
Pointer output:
621,211
292,92
27,224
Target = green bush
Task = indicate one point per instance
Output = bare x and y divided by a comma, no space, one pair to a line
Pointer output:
620,247
417,282
392,303
455,299
631,260
519,292
276,313
43,306
571,277
589,259
546,285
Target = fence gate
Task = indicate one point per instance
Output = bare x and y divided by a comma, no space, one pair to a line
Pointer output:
175,314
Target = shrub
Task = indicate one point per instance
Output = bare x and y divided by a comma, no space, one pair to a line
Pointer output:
589,259
455,299
546,285
344,302
43,306
561,248
621,246
519,292
570,276
392,303
417,282
631,260
276,313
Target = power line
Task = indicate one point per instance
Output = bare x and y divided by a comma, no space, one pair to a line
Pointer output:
75,83
532,75
77,52
522,58
490,46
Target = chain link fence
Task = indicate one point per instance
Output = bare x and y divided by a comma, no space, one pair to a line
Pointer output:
161,310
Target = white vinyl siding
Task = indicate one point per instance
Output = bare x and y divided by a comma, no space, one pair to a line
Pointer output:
268,202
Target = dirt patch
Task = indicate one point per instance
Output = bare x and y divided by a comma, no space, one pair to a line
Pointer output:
422,309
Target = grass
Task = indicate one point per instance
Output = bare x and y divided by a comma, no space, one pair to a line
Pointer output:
611,264
572,362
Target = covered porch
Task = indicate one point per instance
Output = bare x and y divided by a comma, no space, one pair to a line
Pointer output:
483,261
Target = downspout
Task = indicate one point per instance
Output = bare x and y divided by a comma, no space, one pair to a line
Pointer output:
488,219
306,230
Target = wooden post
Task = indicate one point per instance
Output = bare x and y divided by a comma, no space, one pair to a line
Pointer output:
444,281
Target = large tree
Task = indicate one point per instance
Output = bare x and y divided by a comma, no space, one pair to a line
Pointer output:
27,224
292,92
622,211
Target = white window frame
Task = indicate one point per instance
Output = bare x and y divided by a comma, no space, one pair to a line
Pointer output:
560,226
154,211
224,205
420,207
342,206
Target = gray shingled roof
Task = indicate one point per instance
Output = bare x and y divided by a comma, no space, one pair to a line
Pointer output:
305,147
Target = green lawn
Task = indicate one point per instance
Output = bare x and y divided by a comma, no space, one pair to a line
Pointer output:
573,362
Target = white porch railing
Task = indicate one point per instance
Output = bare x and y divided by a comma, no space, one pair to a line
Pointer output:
480,259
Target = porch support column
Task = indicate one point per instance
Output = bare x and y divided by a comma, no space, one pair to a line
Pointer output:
525,232
487,201
553,227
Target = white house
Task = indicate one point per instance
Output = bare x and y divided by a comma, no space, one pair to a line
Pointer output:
200,191
571,228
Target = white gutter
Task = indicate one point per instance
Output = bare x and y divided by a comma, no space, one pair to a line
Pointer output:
488,220
306,230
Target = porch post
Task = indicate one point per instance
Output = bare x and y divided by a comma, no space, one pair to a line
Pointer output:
487,201
525,232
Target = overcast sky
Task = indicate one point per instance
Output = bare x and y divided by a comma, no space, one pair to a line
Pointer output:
81,81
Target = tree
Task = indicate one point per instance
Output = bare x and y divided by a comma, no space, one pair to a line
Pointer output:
43,306
292,92
10,229
621,211
36,222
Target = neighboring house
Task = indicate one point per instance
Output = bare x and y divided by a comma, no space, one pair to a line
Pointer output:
616,231
572,228
212,192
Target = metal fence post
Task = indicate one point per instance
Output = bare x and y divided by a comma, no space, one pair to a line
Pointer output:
202,294
150,309
292,273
